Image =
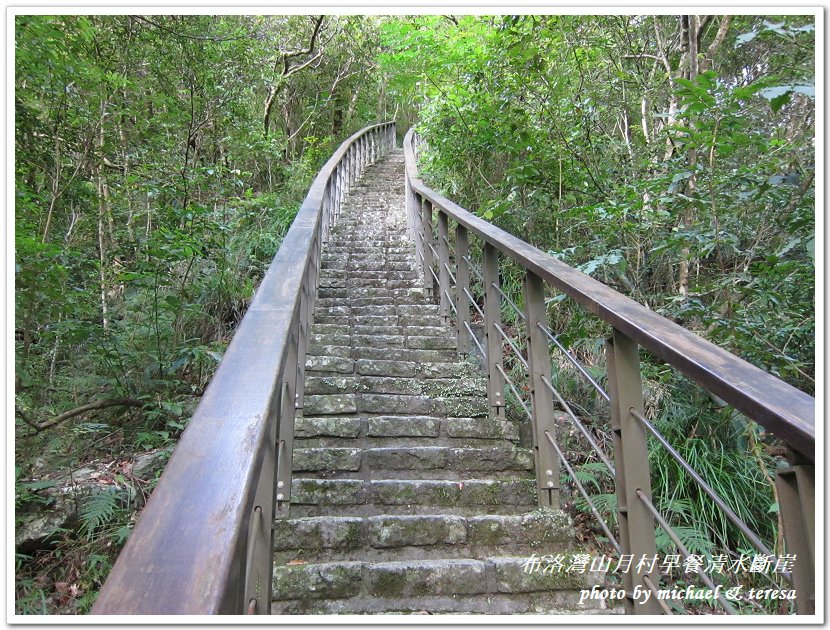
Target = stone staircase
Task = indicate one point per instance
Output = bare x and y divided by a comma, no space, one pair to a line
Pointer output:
407,497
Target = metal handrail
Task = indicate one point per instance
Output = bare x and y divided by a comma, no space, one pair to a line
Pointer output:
778,406
782,409
192,549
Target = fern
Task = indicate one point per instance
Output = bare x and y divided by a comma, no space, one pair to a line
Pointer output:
696,541
98,510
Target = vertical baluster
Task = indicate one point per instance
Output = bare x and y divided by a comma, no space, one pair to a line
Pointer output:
349,168
338,187
462,281
443,266
492,318
796,504
631,465
538,358
426,227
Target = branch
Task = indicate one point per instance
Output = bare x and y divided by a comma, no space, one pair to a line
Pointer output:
201,38
305,64
716,43
805,186
286,55
703,22
67,415
287,70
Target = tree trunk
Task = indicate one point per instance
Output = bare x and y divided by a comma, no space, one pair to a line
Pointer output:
691,29
103,210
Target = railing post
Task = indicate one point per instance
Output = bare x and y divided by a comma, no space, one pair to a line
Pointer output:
492,318
443,266
259,556
632,471
308,292
796,504
285,438
462,282
538,358
426,230
413,220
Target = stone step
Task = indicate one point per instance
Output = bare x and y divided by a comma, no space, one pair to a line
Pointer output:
355,497
403,354
542,531
553,603
353,275
398,461
407,496
355,586
403,426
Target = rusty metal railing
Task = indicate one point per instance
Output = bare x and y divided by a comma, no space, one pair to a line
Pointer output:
203,543
466,291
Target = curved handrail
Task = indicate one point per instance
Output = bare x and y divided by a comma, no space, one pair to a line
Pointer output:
202,544
784,410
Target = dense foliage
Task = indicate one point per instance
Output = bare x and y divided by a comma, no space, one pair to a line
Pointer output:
160,159
685,181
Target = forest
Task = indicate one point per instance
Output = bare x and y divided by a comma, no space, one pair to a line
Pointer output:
160,159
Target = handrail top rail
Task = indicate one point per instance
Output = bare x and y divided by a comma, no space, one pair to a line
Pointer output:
270,294
180,556
781,408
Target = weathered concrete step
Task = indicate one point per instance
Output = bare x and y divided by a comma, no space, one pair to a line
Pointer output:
413,459
348,497
446,370
401,426
330,404
405,354
364,582
434,387
362,274
393,328
339,263
466,406
329,364
341,426
359,294
422,536
418,404
318,350
551,603
376,258
330,385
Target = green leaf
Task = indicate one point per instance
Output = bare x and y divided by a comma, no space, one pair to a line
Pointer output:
98,509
